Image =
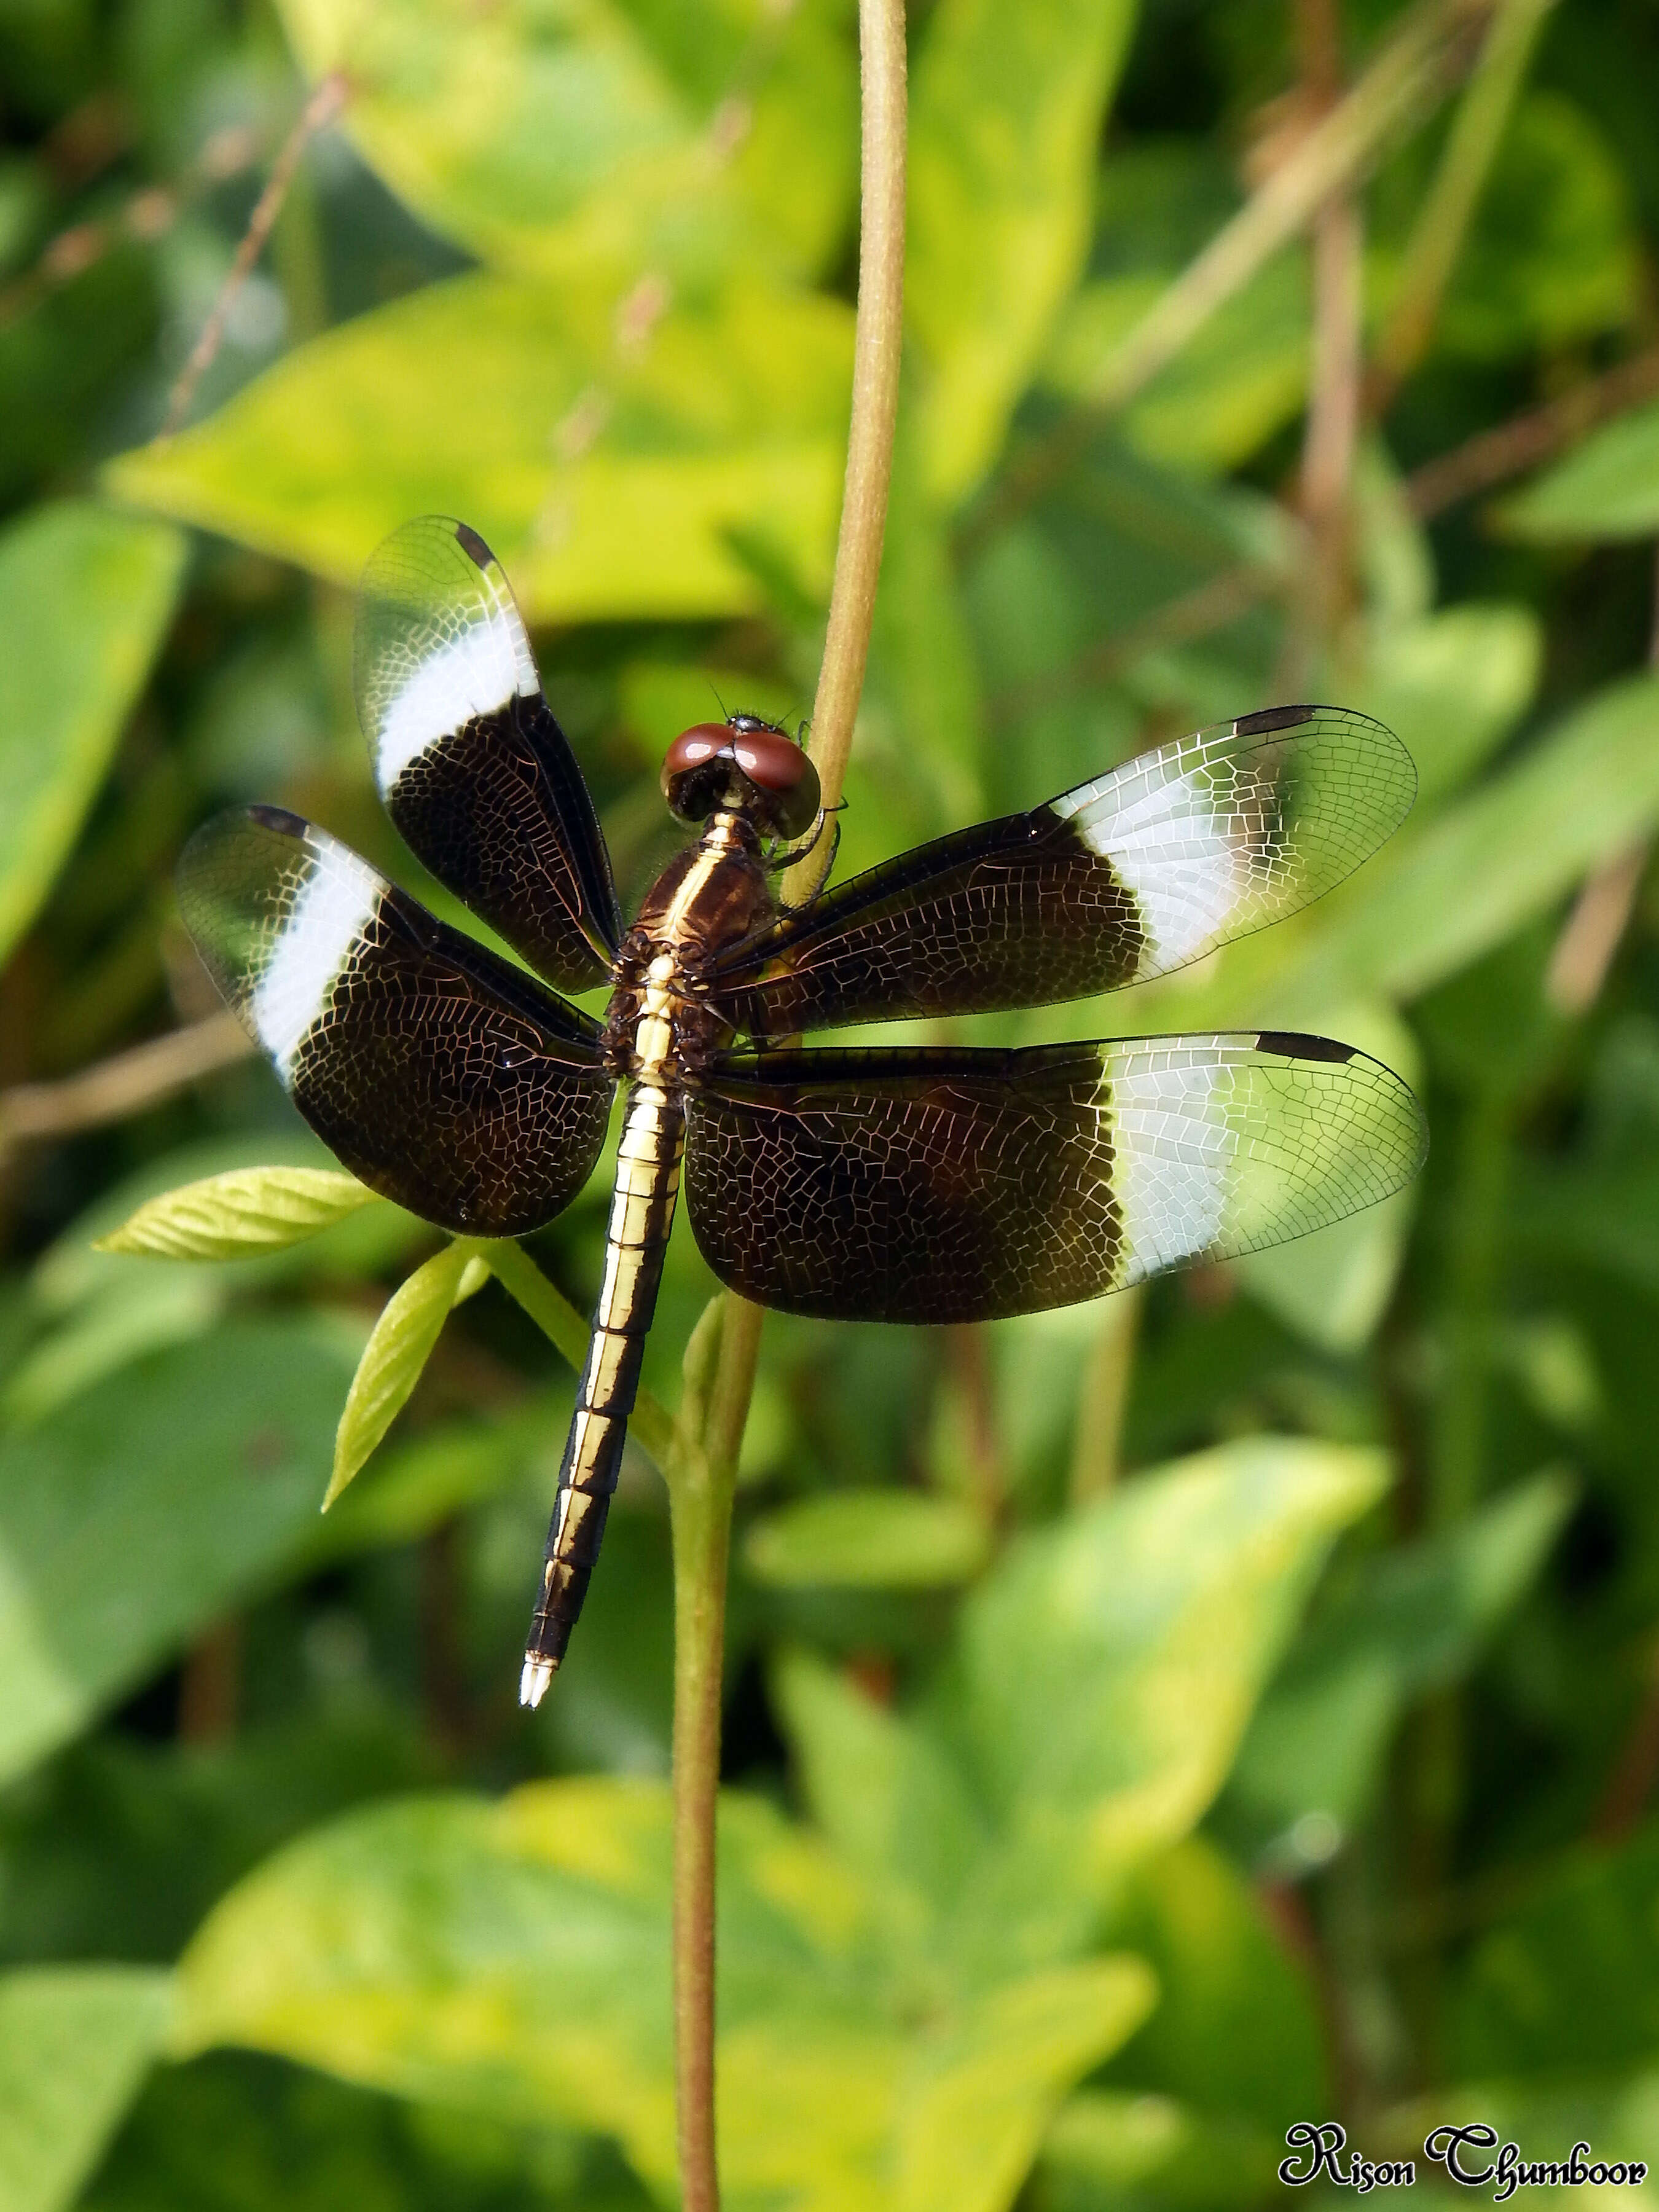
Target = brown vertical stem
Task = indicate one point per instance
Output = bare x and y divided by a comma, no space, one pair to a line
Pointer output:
700,1492
210,1685
1104,1398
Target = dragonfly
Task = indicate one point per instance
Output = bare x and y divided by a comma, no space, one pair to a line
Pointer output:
900,1182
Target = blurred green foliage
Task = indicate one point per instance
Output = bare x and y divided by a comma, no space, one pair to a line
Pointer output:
1147,1725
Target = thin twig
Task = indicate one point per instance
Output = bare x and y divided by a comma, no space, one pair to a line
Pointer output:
1422,57
1443,218
1494,456
1103,1399
701,1506
1334,153
123,1084
1591,933
324,104
1334,381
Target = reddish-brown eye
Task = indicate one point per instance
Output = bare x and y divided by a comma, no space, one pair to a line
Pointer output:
768,758
746,763
695,745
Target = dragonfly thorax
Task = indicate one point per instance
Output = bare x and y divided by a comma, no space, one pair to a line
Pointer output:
660,1025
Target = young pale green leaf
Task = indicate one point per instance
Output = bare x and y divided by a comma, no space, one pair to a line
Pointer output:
235,1216
514,1958
1005,123
85,598
560,142
983,2088
608,478
868,1540
1108,1665
134,1515
75,2044
404,1340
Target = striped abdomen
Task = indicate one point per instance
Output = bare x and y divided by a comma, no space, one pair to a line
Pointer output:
641,1214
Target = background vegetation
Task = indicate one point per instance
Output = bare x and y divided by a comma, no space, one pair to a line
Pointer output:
1152,1724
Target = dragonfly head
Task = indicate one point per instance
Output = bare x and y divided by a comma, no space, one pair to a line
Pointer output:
744,762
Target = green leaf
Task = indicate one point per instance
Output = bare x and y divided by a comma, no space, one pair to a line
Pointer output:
132,1517
1243,376
513,1958
404,1340
230,1216
1108,2146
609,137
607,472
1569,1983
1109,1666
444,1470
1586,790
105,1332
868,1540
883,1788
1005,121
984,2087
1608,487
1237,2029
1455,684
1613,2112
75,2044
1418,1619
1553,256
1104,1673
85,599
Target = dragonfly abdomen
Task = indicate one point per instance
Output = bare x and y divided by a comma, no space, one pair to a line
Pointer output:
642,1215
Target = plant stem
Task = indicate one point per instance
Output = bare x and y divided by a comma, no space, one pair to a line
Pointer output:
876,349
700,1492
702,1529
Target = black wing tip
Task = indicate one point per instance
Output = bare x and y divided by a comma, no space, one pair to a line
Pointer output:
279,821
1268,719
473,546
1294,1044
